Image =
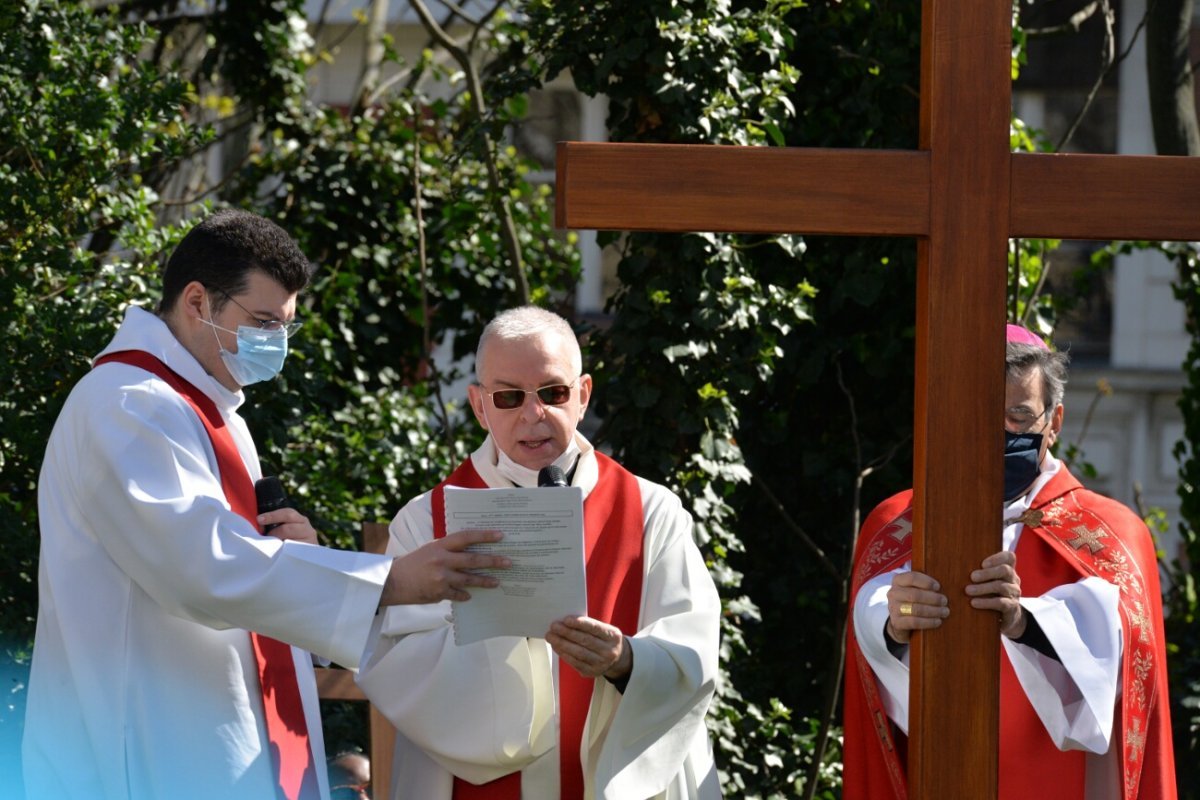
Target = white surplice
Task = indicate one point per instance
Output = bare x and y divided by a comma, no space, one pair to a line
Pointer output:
143,681
1075,697
483,710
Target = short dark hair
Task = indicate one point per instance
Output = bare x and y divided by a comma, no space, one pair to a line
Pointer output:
224,248
1051,364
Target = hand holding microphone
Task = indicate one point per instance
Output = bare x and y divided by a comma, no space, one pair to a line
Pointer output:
276,515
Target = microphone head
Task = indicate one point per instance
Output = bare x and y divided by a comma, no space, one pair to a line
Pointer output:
269,493
551,476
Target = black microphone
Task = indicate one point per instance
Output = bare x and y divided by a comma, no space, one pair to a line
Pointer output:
270,495
551,476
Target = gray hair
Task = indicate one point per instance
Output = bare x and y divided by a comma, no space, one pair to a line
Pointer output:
527,322
1020,359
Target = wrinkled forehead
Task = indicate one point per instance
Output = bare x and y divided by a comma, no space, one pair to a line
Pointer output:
1026,388
545,351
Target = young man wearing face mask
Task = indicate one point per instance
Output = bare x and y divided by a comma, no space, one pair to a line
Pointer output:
1083,689
170,655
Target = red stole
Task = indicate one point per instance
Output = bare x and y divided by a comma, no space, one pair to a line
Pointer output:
287,730
1099,536
613,533
1069,533
874,750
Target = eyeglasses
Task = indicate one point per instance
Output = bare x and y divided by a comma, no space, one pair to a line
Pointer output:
553,395
1020,419
288,328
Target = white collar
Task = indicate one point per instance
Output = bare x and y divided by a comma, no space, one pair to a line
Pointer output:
142,330
528,478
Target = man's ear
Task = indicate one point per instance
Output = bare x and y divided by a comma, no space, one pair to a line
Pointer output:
475,395
585,393
191,303
1056,421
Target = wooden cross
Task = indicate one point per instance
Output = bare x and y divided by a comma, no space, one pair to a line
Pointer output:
963,195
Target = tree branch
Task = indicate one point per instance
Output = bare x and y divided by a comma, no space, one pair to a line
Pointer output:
1110,63
422,261
483,21
838,666
497,195
1043,276
850,54
458,11
794,526
1072,25
373,55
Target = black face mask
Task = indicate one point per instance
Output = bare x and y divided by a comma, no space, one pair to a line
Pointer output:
1020,462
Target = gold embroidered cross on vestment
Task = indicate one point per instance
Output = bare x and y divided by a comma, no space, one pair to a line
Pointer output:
1086,537
901,529
1135,739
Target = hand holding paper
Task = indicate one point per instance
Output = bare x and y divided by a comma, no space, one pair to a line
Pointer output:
442,570
543,538
592,647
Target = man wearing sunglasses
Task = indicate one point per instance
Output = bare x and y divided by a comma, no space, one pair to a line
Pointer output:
1083,685
613,701
169,655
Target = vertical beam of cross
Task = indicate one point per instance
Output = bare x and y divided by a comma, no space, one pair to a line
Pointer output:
963,195
959,393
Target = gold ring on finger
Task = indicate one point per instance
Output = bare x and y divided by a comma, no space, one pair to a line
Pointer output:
906,609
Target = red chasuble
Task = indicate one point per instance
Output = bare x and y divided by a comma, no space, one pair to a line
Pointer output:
1070,533
613,530
287,730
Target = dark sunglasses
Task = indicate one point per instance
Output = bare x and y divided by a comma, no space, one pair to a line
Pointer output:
350,791
508,399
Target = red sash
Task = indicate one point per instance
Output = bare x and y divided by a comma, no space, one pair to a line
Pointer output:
613,533
284,712
1073,536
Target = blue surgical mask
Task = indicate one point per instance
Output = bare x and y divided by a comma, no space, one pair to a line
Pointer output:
1021,465
259,356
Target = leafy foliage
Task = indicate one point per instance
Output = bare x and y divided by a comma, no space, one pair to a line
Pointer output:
112,143
84,124
766,379
345,185
713,377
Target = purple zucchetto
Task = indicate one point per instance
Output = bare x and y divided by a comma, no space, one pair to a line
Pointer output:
1021,335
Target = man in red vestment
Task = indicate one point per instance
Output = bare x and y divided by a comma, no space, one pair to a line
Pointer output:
607,705
1083,686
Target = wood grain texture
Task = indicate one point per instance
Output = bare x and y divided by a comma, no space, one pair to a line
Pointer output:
337,684
1070,196
959,392
635,187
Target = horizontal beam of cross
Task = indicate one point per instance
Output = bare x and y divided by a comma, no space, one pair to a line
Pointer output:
864,192
688,187
1066,196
